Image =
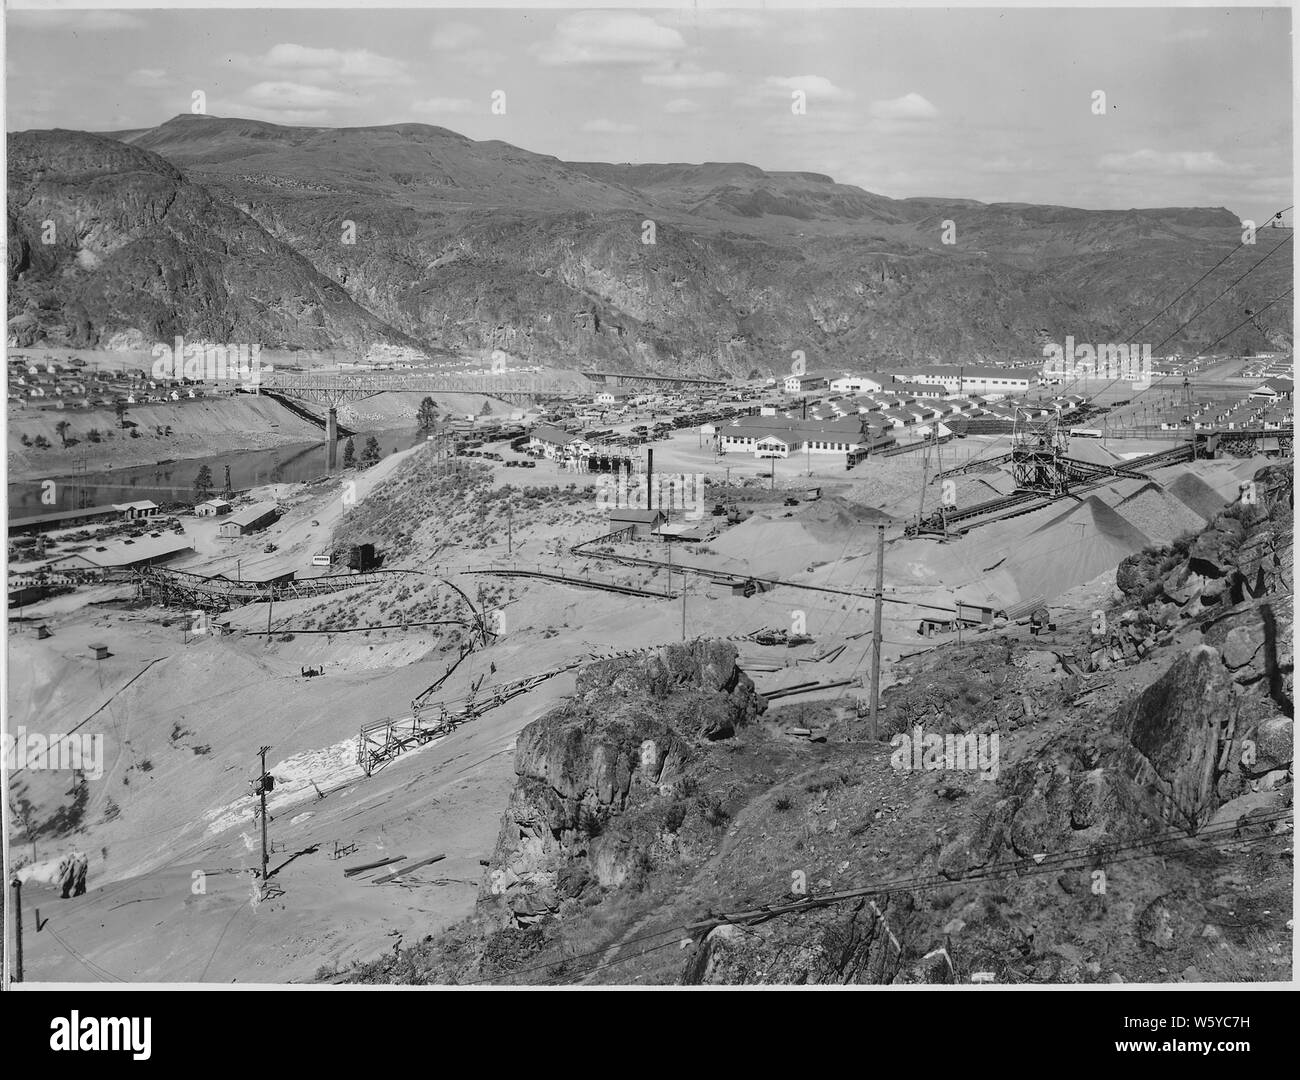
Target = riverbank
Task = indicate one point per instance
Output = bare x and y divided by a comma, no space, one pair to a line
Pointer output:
202,429
199,429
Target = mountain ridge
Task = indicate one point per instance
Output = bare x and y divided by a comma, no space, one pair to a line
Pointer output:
464,244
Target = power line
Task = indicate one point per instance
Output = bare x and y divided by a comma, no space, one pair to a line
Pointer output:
1275,300
1195,283
1255,266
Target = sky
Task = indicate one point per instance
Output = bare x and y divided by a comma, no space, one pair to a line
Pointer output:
999,105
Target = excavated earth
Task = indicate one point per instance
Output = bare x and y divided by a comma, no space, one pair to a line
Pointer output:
1132,822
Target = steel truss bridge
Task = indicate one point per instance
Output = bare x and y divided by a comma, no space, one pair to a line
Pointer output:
332,388
623,378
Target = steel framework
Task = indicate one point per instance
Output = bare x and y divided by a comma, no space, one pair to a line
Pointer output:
1039,445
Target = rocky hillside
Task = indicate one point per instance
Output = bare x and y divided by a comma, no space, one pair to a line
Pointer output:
462,244
1132,823
111,246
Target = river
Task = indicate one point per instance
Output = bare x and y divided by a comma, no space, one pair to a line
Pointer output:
174,482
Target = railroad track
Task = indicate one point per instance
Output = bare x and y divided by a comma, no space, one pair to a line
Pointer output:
581,582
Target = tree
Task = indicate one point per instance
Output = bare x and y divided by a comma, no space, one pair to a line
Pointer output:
167,430
428,414
487,409
370,455
42,443
25,439
226,492
119,407
350,453
63,427
93,435
203,484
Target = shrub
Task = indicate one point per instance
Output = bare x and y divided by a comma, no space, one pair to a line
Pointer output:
713,811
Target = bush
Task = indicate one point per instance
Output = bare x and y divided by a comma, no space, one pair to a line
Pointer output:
713,811
783,802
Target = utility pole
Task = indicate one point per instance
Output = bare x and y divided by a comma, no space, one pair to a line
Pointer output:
270,606
683,607
873,728
510,529
18,930
264,783
925,469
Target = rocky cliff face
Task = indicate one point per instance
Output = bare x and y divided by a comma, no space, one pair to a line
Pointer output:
111,246
597,773
1152,814
418,231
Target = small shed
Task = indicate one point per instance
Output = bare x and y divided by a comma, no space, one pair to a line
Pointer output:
212,508
138,509
248,520
642,523
100,652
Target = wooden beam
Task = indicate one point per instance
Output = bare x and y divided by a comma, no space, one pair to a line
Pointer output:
371,866
406,869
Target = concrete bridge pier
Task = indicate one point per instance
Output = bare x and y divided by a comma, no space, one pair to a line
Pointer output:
332,439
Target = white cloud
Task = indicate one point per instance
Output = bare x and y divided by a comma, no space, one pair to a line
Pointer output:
608,127
686,77
281,96
312,65
310,117
1171,163
815,86
679,106
609,37
908,107
441,106
454,36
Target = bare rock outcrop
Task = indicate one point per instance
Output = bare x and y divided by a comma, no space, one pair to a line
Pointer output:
622,742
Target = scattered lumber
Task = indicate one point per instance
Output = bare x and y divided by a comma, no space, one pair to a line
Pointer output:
372,866
778,691
407,869
808,688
